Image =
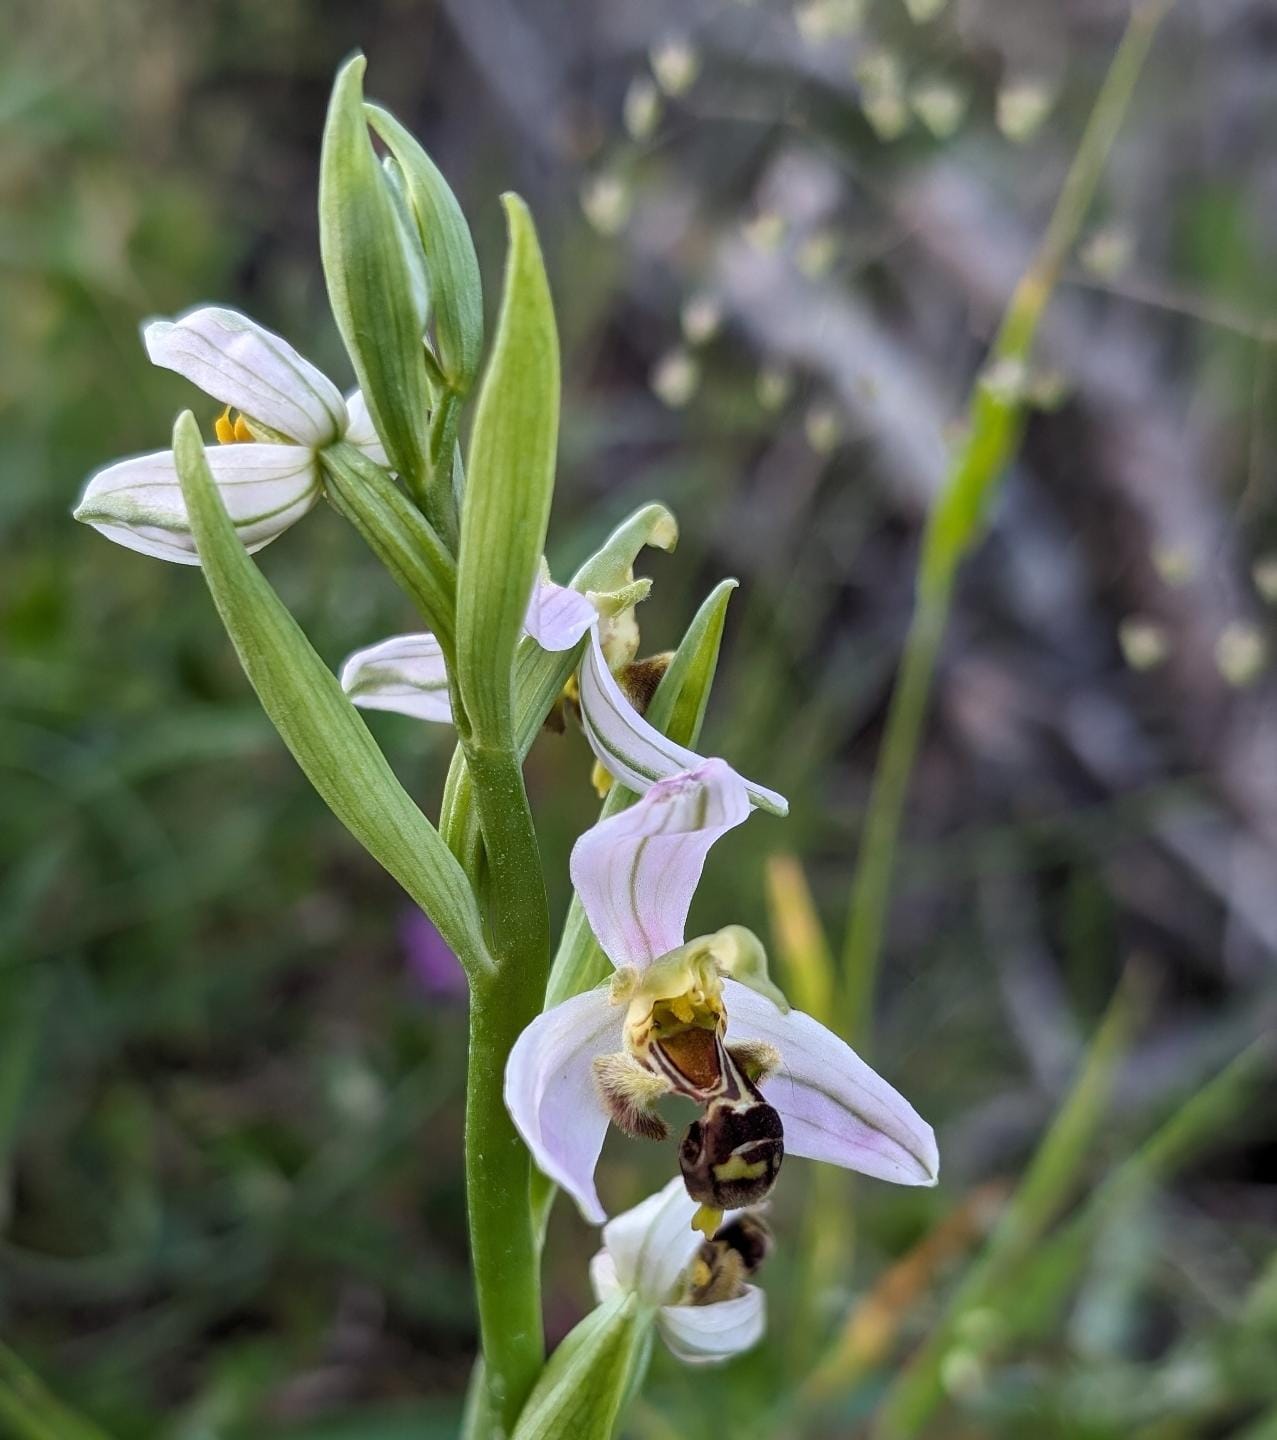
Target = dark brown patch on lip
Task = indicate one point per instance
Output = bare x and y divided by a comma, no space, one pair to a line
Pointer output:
693,1056
731,1156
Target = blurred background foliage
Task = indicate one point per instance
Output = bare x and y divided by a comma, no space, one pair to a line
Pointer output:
780,237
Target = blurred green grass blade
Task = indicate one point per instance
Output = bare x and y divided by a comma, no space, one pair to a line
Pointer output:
23,1021
956,521
1041,1290
30,1411
317,722
509,487
1047,1187
677,709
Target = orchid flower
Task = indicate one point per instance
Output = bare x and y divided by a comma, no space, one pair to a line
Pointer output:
695,1287
698,1019
267,465
408,675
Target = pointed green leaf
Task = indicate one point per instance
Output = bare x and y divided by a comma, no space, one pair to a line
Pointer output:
375,291
588,1378
324,731
509,485
455,286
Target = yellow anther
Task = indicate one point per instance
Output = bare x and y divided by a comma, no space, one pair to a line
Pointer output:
232,432
707,1220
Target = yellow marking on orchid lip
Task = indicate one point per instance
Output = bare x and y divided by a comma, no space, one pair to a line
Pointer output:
707,1220
242,433
736,1168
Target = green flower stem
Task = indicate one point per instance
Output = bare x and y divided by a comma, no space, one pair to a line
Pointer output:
504,1251
956,522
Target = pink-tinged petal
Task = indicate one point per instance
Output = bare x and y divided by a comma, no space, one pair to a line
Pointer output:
712,1334
361,432
634,752
832,1105
405,674
138,503
636,872
250,368
649,1248
551,1096
557,616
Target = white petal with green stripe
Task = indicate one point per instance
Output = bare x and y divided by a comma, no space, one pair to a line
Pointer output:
634,752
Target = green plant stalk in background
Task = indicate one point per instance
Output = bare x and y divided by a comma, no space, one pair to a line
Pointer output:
956,521
1023,1280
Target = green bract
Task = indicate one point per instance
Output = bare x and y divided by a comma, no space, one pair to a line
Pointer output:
582,1389
509,485
325,732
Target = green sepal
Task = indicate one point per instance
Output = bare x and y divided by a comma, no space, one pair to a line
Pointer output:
397,533
453,267
509,486
677,710
374,289
589,1377
324,731
738,952
611,567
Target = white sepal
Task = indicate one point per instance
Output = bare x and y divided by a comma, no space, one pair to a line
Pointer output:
138,503
405,674
250,368
552,1097
361,432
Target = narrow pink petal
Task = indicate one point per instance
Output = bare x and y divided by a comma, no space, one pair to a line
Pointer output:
832,1105
557,615
633,751
551,1095
636,872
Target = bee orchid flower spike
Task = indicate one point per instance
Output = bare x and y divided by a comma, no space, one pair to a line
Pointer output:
280,413
696,1018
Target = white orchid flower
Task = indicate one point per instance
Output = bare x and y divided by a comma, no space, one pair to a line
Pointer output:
697,1019
694,1288
266,467
407,675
